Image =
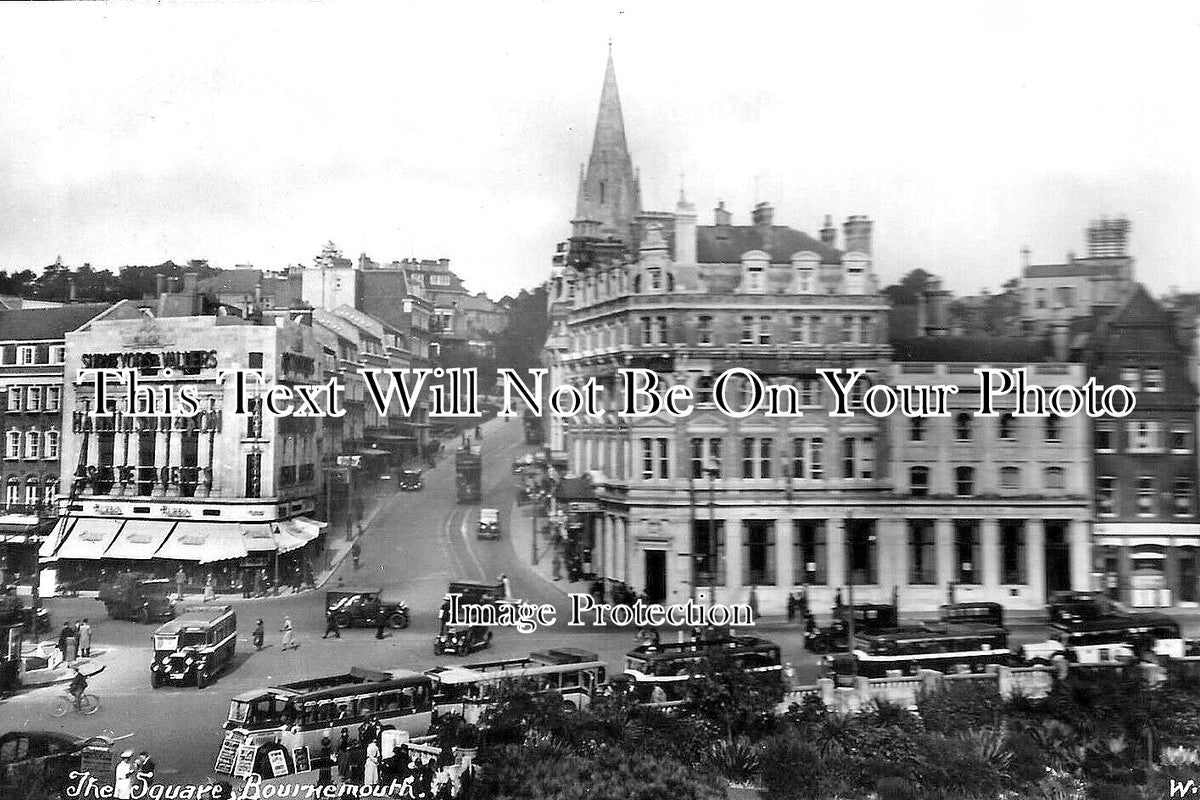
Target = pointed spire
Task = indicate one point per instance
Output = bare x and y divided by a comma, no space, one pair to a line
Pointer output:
609,141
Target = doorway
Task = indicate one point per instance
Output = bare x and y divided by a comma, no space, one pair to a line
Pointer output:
1058,557
656,575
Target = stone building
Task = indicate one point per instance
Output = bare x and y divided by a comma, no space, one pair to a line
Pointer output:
216,491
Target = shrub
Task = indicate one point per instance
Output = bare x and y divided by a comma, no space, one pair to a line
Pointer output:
896,789
789,768
961,706
1028,763
736,760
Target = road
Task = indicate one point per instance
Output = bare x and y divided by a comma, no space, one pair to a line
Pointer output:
418,542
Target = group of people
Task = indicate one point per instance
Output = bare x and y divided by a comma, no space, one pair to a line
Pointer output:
360,762
797,606
287,640
75,639
134,775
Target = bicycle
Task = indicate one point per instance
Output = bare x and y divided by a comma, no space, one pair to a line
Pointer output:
88,704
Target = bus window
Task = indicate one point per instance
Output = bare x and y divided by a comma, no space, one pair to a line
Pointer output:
421,698
570,680
365,705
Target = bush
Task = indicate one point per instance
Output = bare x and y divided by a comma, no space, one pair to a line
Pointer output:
897,789
736,760
789,768
1028,764
961,706
1116,791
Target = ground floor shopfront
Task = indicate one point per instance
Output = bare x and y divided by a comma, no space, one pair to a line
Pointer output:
1149,564
921,554
237,547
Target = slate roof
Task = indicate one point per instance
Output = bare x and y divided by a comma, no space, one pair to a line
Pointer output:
33,324
971,349
1113,267
725,244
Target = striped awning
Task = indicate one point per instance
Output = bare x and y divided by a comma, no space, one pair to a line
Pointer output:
89,538
62,529
204,542
140,539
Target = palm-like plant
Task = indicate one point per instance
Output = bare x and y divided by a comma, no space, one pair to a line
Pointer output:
737,760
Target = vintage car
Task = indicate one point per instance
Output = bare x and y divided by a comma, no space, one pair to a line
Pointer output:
1073,606
489,523
868,618
364,607
410,481
194,646
138,597
475,593
39,756
461,640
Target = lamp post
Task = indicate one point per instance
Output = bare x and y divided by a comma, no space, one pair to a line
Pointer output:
712,469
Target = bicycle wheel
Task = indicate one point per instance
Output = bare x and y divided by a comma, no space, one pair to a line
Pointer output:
61,706
89,704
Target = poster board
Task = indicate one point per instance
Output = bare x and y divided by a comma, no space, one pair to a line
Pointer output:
278,761
226,757
243,767
302,759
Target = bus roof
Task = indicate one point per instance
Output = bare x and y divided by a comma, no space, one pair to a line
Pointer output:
914,633
1116,622
349,682
712,647
194,618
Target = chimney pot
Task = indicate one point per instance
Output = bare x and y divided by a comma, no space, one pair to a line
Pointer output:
763,215
721,217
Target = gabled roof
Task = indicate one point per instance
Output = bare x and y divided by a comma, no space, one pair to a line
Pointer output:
33,324
1140,310
725,244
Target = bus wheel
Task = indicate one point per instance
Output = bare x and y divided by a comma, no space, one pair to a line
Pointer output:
399,621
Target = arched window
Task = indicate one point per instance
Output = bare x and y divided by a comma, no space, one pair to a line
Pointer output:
12,492
51,446
33,490
962,427
918,481
916,429
12,445
50,491
33,444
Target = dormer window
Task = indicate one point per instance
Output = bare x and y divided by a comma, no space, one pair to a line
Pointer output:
755,279
754,272
804,268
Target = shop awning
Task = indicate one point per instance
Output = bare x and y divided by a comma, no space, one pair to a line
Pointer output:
257,537
140,539
90,538
311,528
57,536
204,542
300,530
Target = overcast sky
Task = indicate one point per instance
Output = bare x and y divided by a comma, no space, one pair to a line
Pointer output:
254,132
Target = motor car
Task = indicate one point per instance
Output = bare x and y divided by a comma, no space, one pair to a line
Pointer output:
411,481
364,607
1073,606
137,597
461,640
194,647
476,593
489,523
45,756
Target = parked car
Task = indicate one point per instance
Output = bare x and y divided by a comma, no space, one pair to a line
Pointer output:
363,607
410,481
194,646
138,597
1072,606
489,523
461,640
43,755
474,593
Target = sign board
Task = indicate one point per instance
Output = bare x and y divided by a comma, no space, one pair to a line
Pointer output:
584,507
243,767
301,759
96,758
226,757
278,761
349,461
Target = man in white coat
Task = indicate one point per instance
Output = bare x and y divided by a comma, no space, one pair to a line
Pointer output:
123,785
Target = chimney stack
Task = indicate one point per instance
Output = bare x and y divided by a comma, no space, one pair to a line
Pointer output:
1026,257
857,234
721,217
71,289
763,216
829,233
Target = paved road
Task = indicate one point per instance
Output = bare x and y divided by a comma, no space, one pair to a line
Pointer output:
419,542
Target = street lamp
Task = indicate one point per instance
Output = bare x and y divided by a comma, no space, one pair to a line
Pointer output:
712,469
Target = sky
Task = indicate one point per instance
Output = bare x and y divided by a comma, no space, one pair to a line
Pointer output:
253,132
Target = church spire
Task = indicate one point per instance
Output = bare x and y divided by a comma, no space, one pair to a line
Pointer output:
609,198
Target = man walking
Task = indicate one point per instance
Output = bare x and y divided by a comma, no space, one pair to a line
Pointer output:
258,635
85,639
123,783
180,582
289,637
331,625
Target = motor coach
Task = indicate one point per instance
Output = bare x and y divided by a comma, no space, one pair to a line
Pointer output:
194,647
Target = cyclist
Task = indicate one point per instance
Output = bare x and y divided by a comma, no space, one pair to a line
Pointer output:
79,685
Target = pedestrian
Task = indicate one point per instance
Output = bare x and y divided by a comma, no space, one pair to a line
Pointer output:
143,772
258,635
507,587
331,625
343,756
355,552
791,606
123,777
258,582
371,766
180,582
244,580
789,676
379,626
63,635
85,638
288,642
210,588
325,763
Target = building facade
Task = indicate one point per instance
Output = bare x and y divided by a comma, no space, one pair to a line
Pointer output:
215,492
1147,533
